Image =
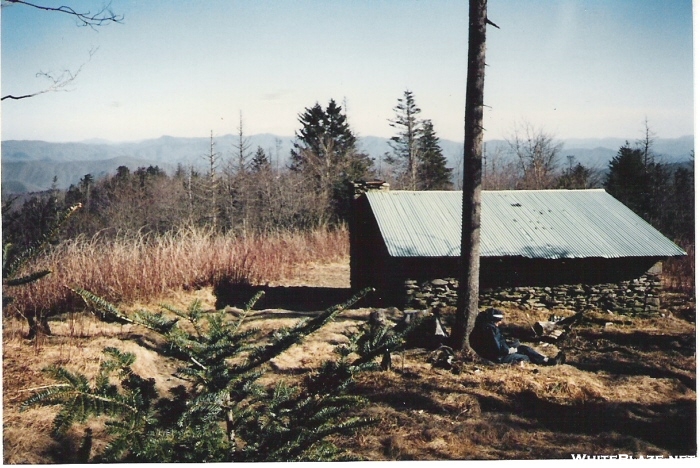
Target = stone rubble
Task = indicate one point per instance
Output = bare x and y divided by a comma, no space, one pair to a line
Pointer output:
633,296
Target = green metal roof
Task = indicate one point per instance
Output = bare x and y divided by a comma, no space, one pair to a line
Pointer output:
548,224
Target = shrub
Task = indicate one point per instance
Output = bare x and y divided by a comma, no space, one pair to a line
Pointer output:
224,414
679,273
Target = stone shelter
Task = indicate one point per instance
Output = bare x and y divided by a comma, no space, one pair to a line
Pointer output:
529,238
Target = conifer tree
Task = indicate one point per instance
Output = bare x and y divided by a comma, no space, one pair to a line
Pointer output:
406,143
680,216
225,414
631,179
577,176
326,153
416,149
627,178
15,262
260,161
651,189
433,173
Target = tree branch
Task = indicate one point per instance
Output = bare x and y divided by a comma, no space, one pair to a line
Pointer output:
60,82
104,16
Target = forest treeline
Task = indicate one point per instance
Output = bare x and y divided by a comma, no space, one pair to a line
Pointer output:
241,193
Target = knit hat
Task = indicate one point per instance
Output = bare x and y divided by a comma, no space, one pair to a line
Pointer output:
494,315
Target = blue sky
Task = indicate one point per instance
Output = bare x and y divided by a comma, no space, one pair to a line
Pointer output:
573,68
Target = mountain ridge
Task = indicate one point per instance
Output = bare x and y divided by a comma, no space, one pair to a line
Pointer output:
30,165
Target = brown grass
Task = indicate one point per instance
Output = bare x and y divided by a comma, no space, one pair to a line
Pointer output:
77,344
146,268
679,273
628,385
589,405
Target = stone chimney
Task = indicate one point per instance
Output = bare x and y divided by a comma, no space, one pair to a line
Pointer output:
362,186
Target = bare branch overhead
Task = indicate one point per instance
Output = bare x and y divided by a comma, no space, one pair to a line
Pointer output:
104,16
59,82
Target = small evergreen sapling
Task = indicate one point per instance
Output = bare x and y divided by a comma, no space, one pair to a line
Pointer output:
224,413
13,264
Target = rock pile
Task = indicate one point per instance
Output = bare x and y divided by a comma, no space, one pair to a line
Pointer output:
633,296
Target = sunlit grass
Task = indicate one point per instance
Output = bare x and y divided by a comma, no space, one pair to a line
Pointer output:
148,267
679,272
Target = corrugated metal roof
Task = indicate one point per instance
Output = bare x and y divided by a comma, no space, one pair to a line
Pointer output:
527,223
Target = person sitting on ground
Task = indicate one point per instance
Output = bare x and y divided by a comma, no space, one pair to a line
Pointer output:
488,341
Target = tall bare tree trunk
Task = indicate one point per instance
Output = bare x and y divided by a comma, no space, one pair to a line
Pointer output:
212,159
468,296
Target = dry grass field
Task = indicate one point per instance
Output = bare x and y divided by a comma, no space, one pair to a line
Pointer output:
628,386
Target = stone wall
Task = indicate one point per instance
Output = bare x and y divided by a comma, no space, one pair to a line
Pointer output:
634,296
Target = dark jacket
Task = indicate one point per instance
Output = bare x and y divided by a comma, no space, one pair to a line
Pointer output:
486,339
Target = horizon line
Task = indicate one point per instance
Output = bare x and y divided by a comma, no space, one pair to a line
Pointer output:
98,140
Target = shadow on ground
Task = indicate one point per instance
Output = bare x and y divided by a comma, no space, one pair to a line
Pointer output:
293,298
637,353
670,426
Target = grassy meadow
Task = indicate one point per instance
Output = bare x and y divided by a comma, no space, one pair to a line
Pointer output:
628,385
149,268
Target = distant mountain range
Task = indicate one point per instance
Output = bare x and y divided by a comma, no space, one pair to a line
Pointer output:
30,166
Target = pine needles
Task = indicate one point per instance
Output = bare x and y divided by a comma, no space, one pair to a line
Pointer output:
14,262
223,413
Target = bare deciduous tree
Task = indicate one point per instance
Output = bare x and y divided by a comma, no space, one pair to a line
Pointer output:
500,171
238,186
213,179
537,154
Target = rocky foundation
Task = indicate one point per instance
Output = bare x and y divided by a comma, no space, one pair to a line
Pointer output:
639,295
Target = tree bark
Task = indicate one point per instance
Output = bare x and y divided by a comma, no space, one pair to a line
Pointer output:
468,294
38,325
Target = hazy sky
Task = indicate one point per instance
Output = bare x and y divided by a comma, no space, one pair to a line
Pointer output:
575,68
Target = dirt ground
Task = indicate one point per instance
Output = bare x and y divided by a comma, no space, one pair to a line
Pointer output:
628,386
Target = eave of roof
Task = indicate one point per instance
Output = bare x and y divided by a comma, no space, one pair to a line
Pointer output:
548,224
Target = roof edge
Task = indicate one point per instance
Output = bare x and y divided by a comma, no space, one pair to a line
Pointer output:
489,191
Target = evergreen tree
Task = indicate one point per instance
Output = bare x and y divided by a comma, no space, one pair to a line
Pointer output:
406,143
577,177
260,161
123,173
226,414
324,141
433,173
326,153
651,190
15,261
659,188
680,215
26,225
627,180
641,183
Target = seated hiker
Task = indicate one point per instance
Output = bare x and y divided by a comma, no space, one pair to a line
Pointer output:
486,339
